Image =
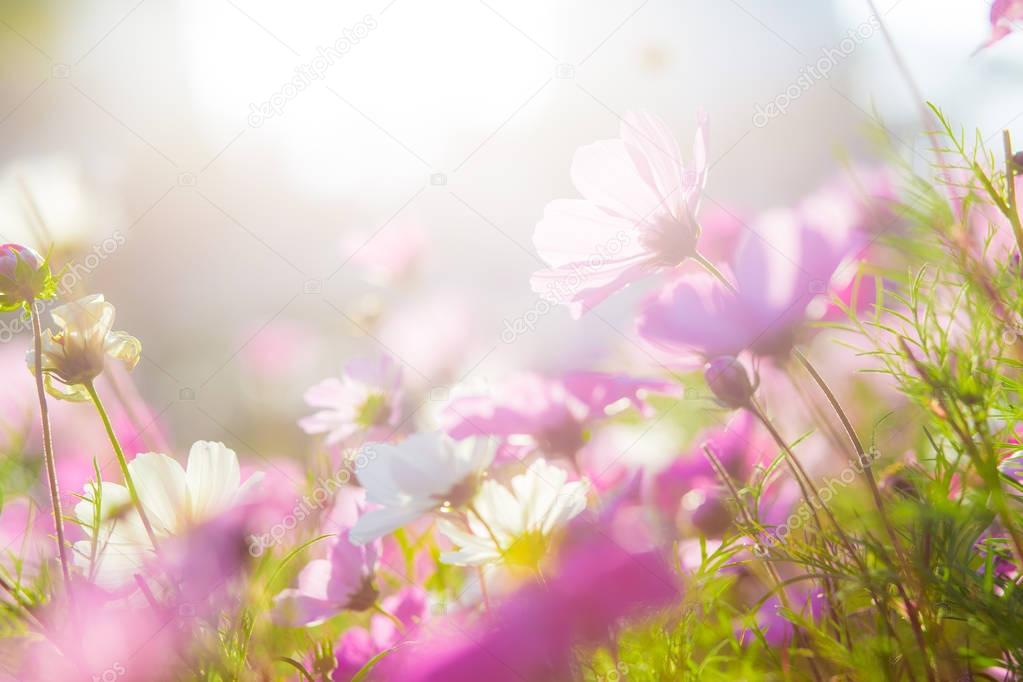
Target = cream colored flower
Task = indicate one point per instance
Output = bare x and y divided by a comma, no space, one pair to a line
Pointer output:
174,498
513,525
77,353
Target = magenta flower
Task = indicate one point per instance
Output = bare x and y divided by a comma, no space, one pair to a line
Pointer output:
365,401
637,215
344,580
780,272
359,645
595,587
691,490
552,413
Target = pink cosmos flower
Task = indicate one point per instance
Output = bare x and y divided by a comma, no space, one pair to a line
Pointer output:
359,645
344,580
1005,18
551,413
637,215
787,265
365,401
595,587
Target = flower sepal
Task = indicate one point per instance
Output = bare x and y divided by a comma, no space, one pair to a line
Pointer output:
25,276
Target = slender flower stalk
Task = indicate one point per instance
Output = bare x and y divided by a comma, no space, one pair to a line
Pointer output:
121,461
1010,181
379,608
51,466
861,454
810,495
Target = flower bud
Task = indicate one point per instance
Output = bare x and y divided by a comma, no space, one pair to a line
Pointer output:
24,276
729,381
1018,160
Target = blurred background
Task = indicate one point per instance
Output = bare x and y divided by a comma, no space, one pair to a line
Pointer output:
267,190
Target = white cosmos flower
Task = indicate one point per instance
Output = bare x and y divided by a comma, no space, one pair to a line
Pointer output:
514,525
174,499
426,471
77,353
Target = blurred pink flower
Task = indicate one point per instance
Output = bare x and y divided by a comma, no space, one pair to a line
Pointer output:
552,412
637,215
1006,16
531,636
779,272
205,560
111,641
25,529
359,645
690,487
344,580
278,351
365,401
431,334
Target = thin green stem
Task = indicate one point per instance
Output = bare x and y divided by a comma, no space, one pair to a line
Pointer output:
810,495
390,616
51,466
122,462
712,269
1010,179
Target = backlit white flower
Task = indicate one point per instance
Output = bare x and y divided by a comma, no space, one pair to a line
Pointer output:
513,524
174,499
426,471
77,353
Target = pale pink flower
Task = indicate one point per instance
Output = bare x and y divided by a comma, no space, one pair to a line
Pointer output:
637,215
344,580
552,413
779,271
365,401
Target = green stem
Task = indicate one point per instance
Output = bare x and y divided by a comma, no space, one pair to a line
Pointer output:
1010,179
51,466
122,462
712,269
390,616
